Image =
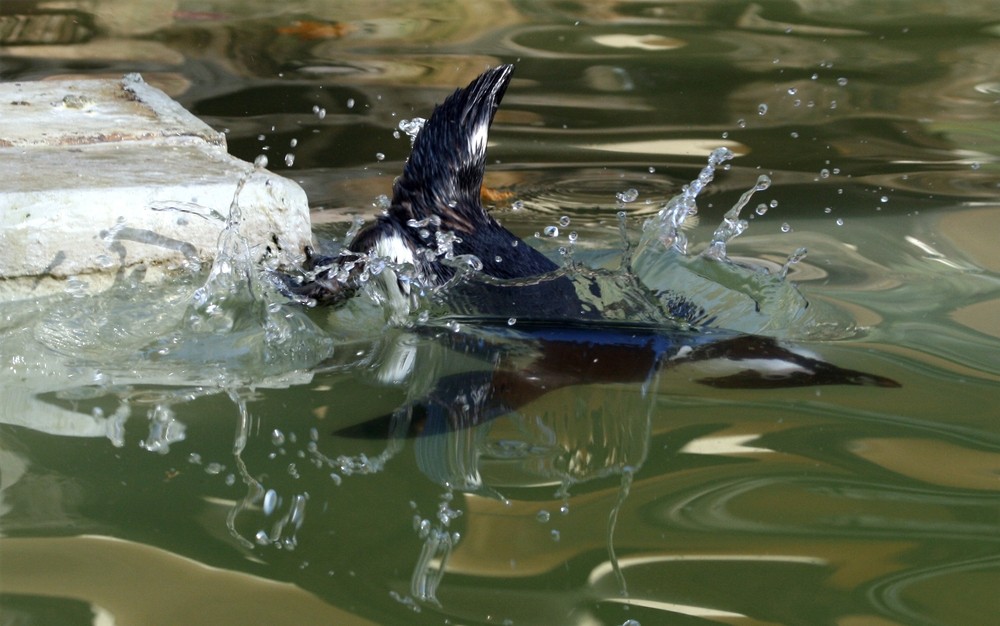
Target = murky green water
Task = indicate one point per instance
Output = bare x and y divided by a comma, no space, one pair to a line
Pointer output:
156,470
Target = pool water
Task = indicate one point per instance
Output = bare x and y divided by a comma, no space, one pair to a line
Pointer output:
202,451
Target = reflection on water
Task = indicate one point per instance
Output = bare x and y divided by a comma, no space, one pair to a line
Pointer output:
275,466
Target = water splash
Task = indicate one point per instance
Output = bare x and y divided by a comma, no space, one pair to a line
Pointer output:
795,257
665,228
711,288
732,225
164,429
255,490
438,543
236,320
412,127
623,491
380,277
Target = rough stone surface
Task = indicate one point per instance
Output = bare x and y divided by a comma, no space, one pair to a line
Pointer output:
101,175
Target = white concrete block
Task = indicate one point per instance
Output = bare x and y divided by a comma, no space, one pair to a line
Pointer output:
96,176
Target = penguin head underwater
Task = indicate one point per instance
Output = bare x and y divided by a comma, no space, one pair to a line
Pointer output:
438,196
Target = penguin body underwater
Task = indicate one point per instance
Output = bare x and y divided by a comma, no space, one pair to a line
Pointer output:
438,197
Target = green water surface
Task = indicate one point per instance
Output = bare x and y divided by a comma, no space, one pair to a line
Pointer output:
151,476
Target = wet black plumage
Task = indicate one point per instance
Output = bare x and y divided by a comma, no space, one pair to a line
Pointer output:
442,179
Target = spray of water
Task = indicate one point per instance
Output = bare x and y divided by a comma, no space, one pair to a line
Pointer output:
665,228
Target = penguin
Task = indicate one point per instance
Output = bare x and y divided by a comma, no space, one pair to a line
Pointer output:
437,198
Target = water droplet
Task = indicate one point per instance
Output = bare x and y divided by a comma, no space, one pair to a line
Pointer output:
792,91
260,162
824,173
320,112
379,156
411,127
840,221
762,109
773,203
551,231
761,209
842,81
572,236
629,195
289,159
883,199
652,170
292,143
270,501
512,321
741,123
543,516
564,221
786,228
277,437
214,468
555,534
350,103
